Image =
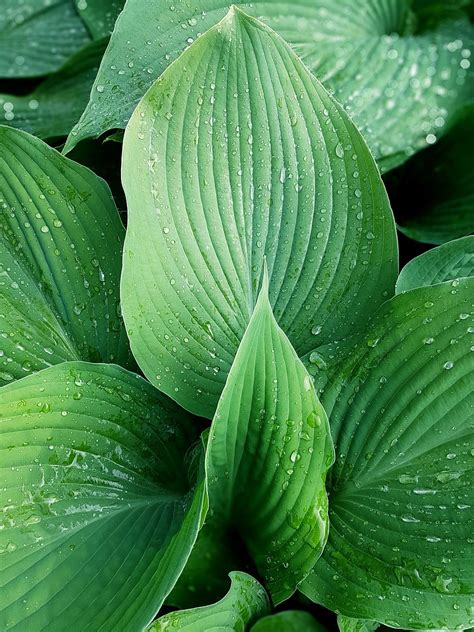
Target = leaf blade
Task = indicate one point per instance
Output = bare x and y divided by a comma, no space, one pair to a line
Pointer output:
268,454
332,250
450,261
406,470
55,214
101,515
245,601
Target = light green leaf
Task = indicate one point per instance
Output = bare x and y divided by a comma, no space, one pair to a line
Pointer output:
237,153
346,624
450,261
99,15
245,602
268,454
399,86
400,548
60,260
37,37
433,194
99,514
55,105
288,621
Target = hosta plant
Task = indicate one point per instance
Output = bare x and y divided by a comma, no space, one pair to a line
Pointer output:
222,405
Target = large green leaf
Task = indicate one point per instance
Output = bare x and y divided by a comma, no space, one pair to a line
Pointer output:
288,621
433,194
37,37
99,15
55,105
236,154
245,602
450,261
98,509
401,88
400,548
268,455
60,260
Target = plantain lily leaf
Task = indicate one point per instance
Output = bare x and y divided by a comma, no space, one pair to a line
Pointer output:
27,30
400,546
55,105
245,602
268,454
365,52
60,248
450,261
295,183
433,194
99,15
288,621
99,513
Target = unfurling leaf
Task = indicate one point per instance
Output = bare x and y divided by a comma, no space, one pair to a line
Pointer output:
244,603
268,454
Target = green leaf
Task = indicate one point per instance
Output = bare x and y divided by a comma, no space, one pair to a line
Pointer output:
268,454
346,624
99,514
401,505
37,37
288,621
60,260
237,153
99,15
433,194
450,261
55,105
245,602
399,87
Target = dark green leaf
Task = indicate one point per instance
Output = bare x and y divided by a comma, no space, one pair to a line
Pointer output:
400,546
99,15
400,88
60,260
55,105
237,153
433,194
37,37
289,621
99,513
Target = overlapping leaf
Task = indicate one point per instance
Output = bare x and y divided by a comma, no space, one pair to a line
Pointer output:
400,547
99,15
56,104
37,37
237,153
450,261
268,455
400,87
433,194
245,602
98,509
60,260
